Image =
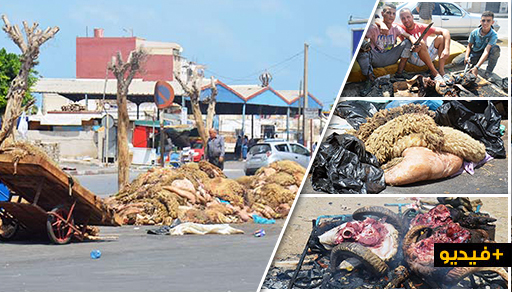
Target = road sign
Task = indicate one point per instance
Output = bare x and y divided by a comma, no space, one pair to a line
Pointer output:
107,124
311,113
164,94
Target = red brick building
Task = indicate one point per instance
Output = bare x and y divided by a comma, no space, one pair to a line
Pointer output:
94,53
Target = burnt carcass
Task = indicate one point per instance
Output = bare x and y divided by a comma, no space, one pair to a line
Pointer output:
371,240
438,226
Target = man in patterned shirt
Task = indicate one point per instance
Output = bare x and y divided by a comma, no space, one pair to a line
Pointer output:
385,50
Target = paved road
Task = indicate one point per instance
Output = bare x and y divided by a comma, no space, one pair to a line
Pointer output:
140,262
105,185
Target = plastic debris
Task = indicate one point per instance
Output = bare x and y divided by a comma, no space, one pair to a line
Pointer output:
260,220
201,229
342,165
484,127
95,254
259,233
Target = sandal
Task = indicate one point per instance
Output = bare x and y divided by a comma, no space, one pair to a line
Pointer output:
447,79
440,79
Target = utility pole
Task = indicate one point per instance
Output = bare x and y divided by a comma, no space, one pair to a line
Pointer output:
305,92
301,103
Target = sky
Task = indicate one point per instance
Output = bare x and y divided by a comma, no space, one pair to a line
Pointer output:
236,39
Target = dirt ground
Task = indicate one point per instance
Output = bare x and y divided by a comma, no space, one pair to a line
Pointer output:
308,208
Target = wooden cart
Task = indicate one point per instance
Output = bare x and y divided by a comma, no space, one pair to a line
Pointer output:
48,201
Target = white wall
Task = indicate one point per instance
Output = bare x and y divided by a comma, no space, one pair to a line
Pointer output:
72,143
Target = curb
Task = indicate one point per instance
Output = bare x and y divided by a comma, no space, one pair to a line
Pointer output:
99,171
91,172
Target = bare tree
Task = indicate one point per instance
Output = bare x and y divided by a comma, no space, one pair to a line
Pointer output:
124,73
212,101
35,37
193,91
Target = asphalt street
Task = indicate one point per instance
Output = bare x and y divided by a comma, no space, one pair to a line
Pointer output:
137,261
104,185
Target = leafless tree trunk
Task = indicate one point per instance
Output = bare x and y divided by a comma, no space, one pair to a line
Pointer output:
124,73
212,101
194,91
29,54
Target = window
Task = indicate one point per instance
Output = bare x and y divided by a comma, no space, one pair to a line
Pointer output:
450,9
298,149
259,149
414,11
282,148
437,9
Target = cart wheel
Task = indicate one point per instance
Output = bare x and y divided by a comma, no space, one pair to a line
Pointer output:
8,228
58,231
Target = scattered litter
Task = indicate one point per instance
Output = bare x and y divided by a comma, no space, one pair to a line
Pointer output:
260,220
201,229
342,166
95,254
485,127
165,230
259,233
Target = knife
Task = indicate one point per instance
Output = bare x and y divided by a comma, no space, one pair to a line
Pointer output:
422,35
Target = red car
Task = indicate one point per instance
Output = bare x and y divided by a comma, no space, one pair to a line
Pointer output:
197,147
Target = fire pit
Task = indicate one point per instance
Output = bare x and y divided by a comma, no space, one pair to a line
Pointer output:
358,251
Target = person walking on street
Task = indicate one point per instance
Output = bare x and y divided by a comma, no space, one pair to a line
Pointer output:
238,147
215,149
425,10
245,147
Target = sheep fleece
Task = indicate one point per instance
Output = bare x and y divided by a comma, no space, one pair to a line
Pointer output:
382,141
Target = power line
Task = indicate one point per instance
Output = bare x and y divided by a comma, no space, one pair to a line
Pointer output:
329,56
246,78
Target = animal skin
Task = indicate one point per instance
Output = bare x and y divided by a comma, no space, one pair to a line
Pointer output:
421,164
463,145
382,141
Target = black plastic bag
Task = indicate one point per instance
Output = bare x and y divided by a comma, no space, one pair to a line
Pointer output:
342,165
484,127
356,111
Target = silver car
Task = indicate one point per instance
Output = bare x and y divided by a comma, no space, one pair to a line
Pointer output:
450,16
264,153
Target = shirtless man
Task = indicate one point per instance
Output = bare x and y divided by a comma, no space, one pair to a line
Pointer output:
423,54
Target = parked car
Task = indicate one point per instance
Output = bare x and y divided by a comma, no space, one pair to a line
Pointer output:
197,147
268,151
450,16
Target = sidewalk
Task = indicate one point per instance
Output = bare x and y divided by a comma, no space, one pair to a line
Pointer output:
93,167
